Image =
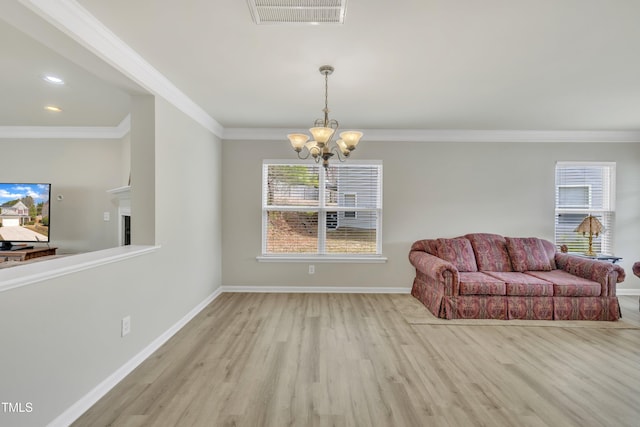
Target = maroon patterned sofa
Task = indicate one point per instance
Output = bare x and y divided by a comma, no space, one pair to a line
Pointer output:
488,276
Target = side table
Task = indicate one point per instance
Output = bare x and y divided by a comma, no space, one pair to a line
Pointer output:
25,254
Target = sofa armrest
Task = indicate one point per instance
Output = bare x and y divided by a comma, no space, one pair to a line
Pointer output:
605,273
436,271
636,268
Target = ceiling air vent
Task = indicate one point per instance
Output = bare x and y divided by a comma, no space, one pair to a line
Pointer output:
312,12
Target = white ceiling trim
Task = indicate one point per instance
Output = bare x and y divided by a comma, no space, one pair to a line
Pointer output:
75,21
434,135
67,132
381,135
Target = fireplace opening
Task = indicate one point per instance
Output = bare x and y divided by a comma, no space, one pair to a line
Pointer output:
126,230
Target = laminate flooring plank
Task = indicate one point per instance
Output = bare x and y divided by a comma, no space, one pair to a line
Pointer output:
353,360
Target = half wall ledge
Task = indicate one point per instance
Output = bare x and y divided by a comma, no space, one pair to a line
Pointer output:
28,274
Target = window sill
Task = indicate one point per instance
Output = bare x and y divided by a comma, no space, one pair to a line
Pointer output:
355,259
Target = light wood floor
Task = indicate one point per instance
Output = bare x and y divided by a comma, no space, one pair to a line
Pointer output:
351,360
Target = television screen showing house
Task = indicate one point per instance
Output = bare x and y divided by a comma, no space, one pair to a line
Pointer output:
24,212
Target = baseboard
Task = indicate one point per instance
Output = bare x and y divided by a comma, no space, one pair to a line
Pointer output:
317,289
625,292
82,405
349,290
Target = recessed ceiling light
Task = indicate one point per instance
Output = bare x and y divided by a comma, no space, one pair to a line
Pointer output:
49,78
53,108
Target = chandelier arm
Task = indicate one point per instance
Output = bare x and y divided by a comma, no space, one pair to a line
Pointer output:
303,157
341,157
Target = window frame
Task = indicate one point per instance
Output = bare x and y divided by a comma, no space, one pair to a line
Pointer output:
607,210
323,210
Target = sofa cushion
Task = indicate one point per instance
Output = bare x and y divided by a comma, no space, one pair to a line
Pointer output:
568,285
528,254
490,251
476,283
521,284
458,252
550,249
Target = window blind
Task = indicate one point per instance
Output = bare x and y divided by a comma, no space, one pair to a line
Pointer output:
308,209
584,188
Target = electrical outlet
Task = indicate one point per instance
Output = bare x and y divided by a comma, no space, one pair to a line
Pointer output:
126,325
106,216
312,269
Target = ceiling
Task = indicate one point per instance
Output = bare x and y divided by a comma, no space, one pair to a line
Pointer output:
406,64
85,98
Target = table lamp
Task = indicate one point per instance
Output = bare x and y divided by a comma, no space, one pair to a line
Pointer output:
590,226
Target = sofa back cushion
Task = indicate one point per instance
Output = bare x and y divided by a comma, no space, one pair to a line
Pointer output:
490,251
528,254
458,252
429,246
550,249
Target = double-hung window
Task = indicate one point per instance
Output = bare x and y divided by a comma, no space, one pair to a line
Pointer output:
585,188
309,210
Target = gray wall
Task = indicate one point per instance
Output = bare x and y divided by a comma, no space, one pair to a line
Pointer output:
430,190
79,170
62,336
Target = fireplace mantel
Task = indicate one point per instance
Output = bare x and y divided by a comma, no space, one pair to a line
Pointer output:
122,193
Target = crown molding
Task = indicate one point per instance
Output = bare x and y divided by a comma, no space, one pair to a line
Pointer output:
67,132
76,22
380,135
443,135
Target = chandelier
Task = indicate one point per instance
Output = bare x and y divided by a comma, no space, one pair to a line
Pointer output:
322,145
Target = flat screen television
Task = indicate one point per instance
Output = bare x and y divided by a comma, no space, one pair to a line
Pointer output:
24,214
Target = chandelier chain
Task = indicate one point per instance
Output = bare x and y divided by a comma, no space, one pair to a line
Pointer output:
326,99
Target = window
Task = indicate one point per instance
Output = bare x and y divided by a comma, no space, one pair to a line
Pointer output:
585,188
310,210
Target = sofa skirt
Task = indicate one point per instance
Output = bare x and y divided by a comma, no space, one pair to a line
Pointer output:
586,308
514,307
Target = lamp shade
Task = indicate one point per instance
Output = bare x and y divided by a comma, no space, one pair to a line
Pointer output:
313,148
343,147
590,225
297,140
351,138
321,134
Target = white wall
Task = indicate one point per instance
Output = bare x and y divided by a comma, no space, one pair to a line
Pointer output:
81,171
126,160
430,190
62,336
